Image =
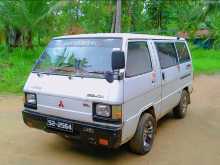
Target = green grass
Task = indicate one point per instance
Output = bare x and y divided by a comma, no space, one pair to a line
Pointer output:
16,65
206,61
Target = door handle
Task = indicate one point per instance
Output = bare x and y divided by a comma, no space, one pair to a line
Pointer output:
163,75
188,66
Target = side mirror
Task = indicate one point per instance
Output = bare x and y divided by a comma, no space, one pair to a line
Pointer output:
118,60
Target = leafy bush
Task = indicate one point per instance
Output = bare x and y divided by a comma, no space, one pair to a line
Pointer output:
15,67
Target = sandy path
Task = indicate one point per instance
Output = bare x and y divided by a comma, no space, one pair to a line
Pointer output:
191,141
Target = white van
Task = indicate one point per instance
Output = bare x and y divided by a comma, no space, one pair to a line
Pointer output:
109,89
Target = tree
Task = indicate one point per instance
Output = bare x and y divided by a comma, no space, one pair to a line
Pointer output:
28,22
22,18
95,15
181,19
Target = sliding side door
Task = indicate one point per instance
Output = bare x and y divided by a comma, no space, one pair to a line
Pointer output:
169,74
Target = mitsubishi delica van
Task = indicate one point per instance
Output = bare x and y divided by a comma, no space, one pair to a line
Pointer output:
109,89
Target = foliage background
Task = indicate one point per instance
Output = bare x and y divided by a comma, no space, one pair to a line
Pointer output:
26,26
24,22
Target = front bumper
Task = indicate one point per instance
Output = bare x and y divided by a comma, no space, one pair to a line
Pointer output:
87,132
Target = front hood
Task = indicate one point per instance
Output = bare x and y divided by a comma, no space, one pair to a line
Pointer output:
91,89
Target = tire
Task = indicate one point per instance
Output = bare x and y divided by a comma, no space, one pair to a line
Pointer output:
180,110
143,139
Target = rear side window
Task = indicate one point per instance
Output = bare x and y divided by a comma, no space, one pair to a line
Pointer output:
182,52
138,59
167,54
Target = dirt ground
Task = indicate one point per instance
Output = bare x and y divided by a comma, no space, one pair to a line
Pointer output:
190,141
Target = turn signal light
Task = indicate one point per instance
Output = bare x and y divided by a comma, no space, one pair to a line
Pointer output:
116,112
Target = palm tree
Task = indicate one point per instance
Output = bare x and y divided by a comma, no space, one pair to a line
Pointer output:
23,17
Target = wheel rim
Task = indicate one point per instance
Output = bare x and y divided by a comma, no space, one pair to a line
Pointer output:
184,104
148,133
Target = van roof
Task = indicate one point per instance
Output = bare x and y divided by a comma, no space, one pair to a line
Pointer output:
120,35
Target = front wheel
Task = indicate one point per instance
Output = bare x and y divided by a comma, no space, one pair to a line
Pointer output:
143,139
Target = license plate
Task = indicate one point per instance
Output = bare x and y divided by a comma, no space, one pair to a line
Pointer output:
60,125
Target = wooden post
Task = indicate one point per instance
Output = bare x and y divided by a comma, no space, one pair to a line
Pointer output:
117,16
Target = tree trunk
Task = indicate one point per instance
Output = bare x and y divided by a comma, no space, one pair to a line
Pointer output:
13,37
129,13
18,37
29,43
159,25
113,23
132,17
77,10
39,39
118,17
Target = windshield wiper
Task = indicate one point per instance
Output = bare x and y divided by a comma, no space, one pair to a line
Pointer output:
63,69
97,72
84,74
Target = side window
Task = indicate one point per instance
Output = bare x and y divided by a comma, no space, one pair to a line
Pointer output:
167,54
182,52
138,59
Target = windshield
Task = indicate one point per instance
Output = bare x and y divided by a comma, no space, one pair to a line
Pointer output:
79,57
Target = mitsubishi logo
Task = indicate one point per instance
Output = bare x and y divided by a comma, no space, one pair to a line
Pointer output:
61,105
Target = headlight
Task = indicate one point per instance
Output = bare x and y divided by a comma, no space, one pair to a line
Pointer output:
107,113
103,110
30,100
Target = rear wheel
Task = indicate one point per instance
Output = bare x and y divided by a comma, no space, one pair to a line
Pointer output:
143,139
181,109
